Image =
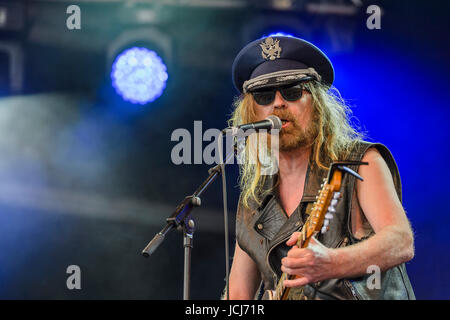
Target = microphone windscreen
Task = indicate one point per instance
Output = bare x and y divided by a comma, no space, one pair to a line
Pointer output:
276,122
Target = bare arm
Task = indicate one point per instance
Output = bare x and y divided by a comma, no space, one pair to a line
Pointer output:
393,242
391,245
244,276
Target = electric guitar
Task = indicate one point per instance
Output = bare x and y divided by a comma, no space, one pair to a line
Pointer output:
319,218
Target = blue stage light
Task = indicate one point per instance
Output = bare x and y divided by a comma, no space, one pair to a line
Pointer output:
279,34
139,75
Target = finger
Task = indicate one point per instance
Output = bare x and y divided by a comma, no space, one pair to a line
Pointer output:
293,239
295,271
295,263
296,252
299,282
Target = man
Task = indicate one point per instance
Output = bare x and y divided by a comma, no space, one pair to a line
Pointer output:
291,78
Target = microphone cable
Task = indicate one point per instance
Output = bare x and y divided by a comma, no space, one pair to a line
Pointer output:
225,215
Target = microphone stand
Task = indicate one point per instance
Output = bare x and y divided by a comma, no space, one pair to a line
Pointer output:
181,219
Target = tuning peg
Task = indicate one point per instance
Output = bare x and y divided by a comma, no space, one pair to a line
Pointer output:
324,229
331,209
329,216
334,202
326,222
336,195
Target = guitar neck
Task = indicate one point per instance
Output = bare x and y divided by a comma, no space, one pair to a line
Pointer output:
281,291
308,230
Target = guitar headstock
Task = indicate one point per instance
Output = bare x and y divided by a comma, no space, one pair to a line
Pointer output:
330,212
329,195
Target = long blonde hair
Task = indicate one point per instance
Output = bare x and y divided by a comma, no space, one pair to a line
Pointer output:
335,138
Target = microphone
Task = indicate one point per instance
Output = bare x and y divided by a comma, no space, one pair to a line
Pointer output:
271,122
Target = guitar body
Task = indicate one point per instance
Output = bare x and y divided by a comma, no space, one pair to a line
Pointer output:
269,295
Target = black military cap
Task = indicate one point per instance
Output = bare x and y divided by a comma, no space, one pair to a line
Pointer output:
279,60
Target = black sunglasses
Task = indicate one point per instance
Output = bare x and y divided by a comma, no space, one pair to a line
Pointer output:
289,93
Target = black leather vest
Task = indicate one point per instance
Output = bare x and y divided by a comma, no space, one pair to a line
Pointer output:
262,231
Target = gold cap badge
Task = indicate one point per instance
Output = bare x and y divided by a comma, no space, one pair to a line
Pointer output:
271,49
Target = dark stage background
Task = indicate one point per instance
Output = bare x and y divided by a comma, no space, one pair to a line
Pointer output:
87,179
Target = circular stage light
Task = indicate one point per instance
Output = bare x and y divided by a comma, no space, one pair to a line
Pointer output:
139,75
